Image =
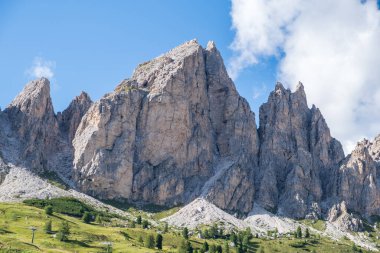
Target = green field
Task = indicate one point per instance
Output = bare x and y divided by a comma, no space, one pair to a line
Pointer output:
16,236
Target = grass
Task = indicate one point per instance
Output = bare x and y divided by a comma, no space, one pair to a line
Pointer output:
69,206
15,235
318,224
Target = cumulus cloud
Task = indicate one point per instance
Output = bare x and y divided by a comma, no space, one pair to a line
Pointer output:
41,68
331,46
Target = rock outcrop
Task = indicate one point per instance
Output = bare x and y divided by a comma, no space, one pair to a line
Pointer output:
342,219
32,117
297,153
159,136
357,179
70,118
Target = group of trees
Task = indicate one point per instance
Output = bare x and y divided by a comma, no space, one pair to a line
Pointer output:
298,233
151,242
186,247
239,240
63,230
144,223
213,232
86,218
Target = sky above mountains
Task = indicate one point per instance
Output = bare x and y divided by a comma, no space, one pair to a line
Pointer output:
331,46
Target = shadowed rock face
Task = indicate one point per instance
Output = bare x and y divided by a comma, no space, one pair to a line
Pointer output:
160,136
178,129
296,156
32,117
71,117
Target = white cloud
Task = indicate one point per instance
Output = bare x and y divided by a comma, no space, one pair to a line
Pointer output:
331,46
41,68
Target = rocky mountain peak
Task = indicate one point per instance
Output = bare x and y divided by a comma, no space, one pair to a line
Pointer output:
211,46
32,117
165,131
71,117
296,152
279,87
373,147
34,99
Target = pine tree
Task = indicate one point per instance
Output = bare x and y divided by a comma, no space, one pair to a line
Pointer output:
245,242
206,234
185,247
49,210
86,217
226,247
149,242
145,224
159,241
299,232
213,231
233,238
138,221
48,227
98,219
307,233
185,233
166,228
63,231
219,249
205,247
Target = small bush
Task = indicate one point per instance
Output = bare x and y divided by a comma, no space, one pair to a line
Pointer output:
49,210
86,217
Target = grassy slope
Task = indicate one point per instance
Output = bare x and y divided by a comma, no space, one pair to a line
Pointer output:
15,220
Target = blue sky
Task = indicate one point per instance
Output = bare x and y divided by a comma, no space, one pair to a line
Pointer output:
92,45
331,46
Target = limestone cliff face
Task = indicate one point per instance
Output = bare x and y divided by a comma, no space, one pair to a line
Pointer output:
32,117
160,136
296,154
71,117
357,179
178,129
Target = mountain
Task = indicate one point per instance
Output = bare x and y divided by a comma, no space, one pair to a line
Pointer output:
178,130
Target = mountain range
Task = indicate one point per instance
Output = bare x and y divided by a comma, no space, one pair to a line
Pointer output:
178,130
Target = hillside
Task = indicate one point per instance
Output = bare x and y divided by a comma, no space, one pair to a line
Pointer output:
15,234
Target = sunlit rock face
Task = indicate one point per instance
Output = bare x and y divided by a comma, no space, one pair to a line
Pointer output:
178,130
357,181
162,134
